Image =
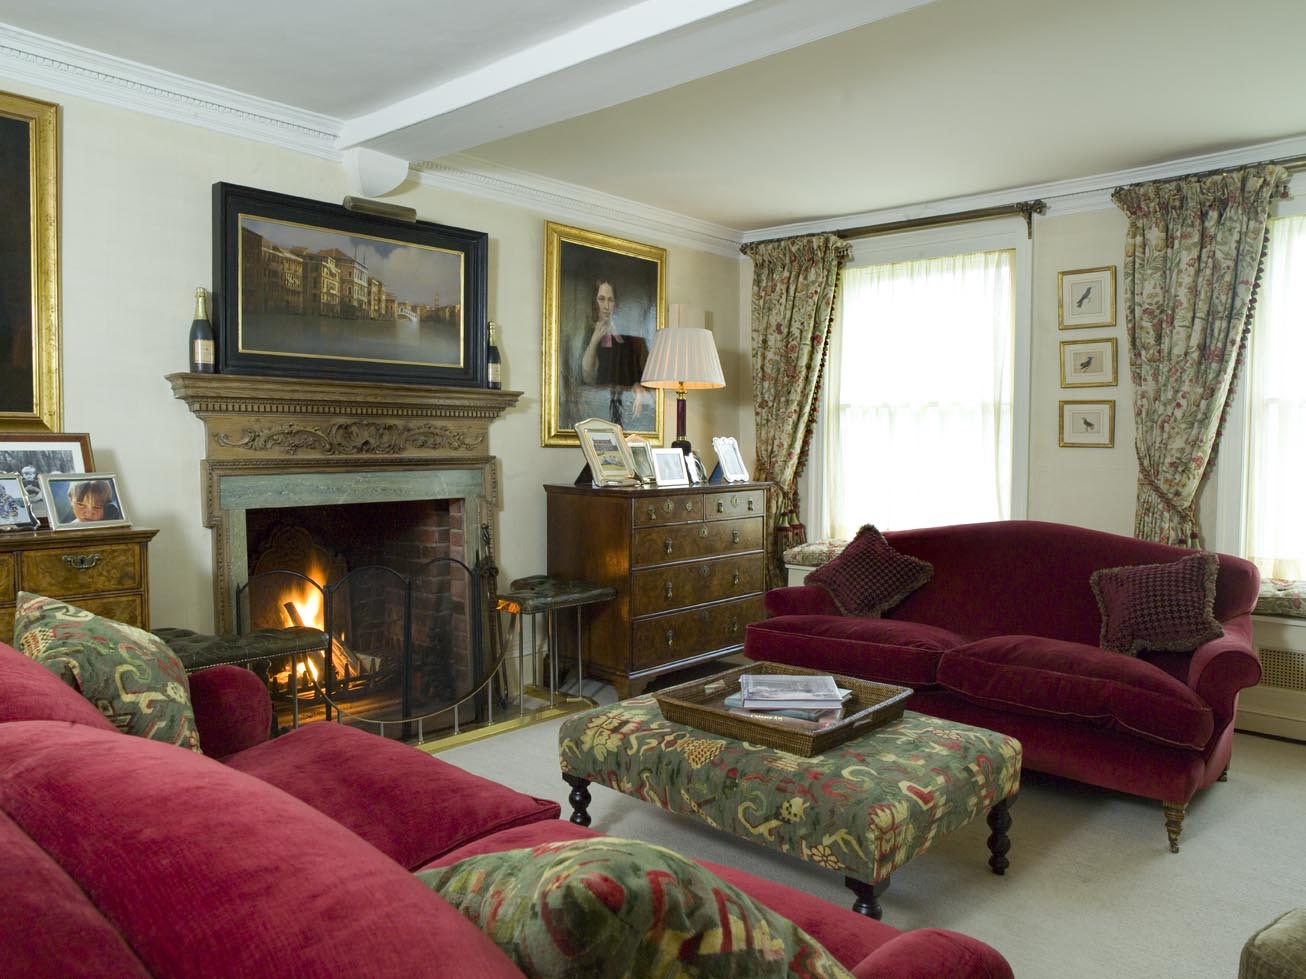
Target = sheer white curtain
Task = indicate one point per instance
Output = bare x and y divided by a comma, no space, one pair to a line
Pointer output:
1276,477
919,427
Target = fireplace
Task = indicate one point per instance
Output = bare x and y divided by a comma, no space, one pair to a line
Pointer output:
391,484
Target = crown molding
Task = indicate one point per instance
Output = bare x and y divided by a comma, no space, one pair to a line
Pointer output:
469,175
73,70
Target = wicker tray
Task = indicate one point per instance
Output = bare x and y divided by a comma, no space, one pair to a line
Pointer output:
700,704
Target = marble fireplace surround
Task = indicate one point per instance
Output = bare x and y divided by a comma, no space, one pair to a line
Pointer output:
284,442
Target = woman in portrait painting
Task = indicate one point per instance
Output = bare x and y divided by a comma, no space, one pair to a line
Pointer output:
614,359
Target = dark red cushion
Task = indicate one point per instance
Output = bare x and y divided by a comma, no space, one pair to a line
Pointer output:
1032,675
205,871
1167,607
232,709
409,805
885,650
869,577
30,692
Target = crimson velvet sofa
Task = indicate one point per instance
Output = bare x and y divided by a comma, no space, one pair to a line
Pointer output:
1006,634
128,857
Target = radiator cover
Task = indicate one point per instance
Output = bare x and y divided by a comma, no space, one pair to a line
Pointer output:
1277,705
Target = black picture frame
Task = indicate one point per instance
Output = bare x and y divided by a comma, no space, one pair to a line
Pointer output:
295,294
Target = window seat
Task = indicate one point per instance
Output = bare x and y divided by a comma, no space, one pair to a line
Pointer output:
1280,596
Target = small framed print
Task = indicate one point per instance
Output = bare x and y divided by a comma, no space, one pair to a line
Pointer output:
1086,297
15,514
83,501
33,454
604,446
642,456
1088,363
731,461
669,467
1087,424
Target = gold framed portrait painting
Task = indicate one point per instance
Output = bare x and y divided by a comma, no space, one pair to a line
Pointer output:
603,301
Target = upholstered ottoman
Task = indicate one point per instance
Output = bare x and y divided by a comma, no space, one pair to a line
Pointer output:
1277,951
864,808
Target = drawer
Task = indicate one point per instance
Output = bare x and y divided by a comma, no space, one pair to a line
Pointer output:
67,571
715,538
744,503
667,509
8,590
667,588
680,635
121,608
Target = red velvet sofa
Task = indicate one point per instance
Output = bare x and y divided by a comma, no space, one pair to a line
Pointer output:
126,857
1005,636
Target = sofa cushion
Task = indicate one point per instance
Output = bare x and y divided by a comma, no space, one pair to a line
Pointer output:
884,650
606,906
407,804
869,577
131,676
1032,675
1166,607
33,693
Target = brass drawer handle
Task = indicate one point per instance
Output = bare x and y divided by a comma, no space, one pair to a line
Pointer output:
671,637
652,512
667,544
734,580
750,506
734,536
81,562
702,532
734,625
668,589
720,507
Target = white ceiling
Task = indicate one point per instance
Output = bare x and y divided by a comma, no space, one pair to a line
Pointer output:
749,114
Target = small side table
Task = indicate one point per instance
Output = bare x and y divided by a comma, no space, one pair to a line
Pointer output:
547,595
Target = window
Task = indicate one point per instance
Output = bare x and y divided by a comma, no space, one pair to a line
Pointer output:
923,422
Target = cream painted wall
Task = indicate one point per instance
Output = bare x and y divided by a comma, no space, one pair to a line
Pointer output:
136,241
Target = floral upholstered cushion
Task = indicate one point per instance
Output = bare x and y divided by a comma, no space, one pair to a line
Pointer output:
1165,607
613,907
869,577
813,554
1280,596
131,676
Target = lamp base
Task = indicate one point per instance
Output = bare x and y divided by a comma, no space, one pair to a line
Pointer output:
683,445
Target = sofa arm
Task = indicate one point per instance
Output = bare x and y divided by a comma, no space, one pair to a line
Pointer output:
232,709
926,953
799,600
1223,666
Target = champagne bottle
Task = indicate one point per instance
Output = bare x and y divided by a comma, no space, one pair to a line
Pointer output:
494,367
202,347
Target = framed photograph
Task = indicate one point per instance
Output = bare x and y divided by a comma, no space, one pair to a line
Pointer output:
1086,297
30,398
642,457
603,301
669,467
729,458
1087,424
605,450
84,501
308,289
33,456
15,513
1088,363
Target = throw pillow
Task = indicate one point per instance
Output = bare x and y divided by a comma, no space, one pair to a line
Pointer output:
131,676
613,907
869,577
1165,607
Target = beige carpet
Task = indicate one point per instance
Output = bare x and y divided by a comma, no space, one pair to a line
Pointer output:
1093,889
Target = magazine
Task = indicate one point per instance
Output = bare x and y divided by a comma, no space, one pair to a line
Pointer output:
774,690
823,715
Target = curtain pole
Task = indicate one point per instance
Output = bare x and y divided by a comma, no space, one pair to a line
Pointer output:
1025,209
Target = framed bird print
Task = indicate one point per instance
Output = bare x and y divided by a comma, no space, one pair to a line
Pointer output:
1086,297
1088,363
1087,425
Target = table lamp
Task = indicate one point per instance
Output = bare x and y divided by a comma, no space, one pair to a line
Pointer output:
682,357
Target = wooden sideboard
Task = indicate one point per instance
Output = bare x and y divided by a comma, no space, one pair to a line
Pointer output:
103,571
688,563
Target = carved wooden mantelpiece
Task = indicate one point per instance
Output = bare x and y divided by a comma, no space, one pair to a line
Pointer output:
273,441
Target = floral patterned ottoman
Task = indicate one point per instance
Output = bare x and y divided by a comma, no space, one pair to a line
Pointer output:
864,808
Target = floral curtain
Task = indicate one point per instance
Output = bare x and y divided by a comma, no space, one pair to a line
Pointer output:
795,281
1193,255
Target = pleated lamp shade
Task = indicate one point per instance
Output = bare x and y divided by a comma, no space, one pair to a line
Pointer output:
683,356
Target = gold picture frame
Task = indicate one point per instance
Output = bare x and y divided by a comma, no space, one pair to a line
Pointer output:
1089,363
31,395
1086,297
1086,424
581,375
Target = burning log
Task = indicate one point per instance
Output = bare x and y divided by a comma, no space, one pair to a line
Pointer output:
342,657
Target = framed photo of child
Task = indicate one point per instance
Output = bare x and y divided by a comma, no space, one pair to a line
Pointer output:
83,501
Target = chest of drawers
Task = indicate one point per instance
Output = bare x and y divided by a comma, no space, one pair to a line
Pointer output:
688,565
102,571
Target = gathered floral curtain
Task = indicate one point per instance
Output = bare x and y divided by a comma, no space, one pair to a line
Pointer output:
795,282
1193,256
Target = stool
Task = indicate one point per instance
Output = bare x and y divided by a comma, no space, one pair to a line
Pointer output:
198,651
545,595
1277,951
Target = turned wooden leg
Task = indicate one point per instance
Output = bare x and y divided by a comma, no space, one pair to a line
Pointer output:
579,799
1174,822
868,896
999,820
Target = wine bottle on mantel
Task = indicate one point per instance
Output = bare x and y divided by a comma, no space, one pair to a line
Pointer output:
202,347
494,367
